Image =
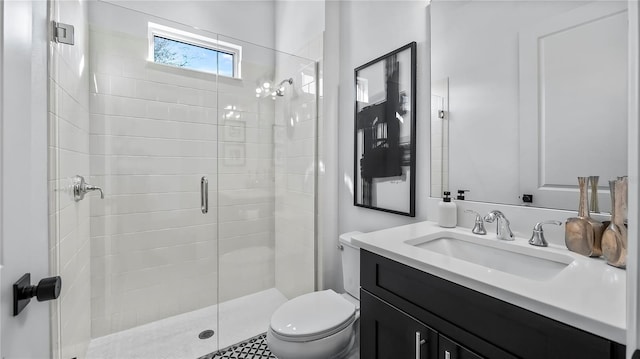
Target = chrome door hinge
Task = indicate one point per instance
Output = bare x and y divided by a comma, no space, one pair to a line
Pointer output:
63,33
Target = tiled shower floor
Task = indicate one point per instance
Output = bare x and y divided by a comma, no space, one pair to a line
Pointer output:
177,337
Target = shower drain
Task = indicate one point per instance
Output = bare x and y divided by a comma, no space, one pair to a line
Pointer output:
206,334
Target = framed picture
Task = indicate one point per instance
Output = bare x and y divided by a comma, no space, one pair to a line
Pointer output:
384,135
234,154
234,131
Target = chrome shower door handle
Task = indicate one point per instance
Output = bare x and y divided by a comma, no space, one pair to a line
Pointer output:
204,194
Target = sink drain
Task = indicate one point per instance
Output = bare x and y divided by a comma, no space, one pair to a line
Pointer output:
206,334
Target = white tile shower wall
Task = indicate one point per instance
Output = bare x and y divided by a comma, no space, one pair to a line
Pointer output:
296,120
69,155
251,20
155,130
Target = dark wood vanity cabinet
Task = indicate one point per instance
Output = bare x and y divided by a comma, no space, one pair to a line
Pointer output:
448,349
456,322
392,334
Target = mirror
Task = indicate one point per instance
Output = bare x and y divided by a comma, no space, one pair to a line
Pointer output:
527,96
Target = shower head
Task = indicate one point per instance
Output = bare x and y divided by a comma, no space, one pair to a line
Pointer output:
280,87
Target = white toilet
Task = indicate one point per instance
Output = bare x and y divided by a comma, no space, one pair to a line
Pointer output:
320,325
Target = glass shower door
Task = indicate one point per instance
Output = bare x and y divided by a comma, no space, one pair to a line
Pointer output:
154,150
140,265
266,189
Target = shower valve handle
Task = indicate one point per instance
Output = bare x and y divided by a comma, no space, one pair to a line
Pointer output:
81,188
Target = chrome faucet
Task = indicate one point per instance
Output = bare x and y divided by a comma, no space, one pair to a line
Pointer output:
503,231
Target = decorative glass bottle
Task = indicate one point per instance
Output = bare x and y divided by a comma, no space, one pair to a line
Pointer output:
614,238
583,234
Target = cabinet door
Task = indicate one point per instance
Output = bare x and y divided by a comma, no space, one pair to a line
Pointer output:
448,349
388,333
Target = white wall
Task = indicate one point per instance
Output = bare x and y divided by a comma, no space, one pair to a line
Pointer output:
389,25
250,21
296,24
23,146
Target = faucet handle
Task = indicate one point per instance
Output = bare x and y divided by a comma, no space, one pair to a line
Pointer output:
537,237
80,188
478,228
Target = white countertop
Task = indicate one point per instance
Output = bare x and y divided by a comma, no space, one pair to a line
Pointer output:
587,294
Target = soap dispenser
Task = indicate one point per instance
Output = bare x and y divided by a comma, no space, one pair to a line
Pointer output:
447,212
461,193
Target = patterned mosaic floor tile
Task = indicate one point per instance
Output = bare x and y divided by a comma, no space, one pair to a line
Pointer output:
254,348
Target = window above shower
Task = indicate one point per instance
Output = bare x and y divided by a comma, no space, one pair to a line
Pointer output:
177,48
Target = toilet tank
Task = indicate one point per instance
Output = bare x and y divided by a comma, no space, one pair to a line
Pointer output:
350,264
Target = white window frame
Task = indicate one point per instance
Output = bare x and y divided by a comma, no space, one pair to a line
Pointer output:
196,40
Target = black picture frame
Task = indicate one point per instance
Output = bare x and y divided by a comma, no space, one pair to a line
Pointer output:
384,132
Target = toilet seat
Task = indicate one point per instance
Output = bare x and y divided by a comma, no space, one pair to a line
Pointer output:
312,316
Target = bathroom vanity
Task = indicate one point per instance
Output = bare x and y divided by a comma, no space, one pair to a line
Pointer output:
426,293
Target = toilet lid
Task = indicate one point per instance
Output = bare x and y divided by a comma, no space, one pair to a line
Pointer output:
312,314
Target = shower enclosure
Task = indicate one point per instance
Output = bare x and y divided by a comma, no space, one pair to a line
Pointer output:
205,149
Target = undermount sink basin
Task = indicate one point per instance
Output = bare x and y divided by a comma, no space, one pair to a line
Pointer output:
531,263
